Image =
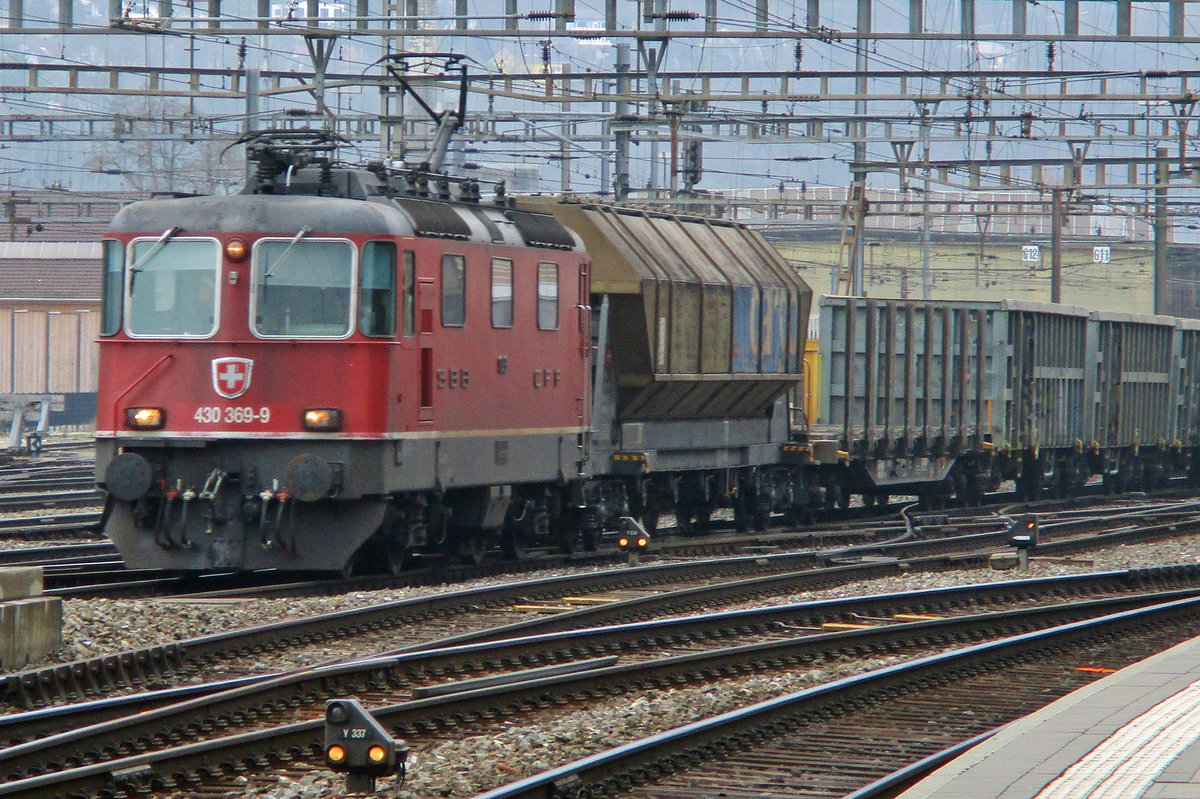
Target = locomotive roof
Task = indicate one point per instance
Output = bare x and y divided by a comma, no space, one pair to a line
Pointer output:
355,203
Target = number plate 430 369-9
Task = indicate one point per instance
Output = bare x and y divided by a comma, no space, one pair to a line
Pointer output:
231,414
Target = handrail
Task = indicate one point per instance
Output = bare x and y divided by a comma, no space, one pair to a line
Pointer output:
133,385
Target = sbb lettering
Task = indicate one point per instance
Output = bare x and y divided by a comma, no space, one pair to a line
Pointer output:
453,378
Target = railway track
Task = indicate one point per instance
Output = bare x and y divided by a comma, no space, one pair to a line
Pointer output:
725,580
232,718
59,526
185,661
848,737
52,500
1066,530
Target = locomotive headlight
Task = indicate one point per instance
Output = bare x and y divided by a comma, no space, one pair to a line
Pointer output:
145,418
322,419
235,250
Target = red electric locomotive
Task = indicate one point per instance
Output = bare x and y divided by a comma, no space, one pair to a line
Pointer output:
342,366
331,358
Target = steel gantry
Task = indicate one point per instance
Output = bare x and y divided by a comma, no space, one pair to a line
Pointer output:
650,99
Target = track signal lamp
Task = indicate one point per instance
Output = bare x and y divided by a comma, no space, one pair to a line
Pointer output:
359,746
633,539
1024,532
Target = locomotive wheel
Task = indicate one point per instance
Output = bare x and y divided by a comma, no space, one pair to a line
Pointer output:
474,548
513,545
568,542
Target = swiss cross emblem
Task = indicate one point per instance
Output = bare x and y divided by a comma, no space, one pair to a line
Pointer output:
231,376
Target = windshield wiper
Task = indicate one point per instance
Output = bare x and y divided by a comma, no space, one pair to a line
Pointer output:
304,231
140,263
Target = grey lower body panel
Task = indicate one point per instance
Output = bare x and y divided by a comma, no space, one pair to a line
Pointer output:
319,536
301,503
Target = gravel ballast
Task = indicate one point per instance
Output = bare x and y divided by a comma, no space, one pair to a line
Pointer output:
462,767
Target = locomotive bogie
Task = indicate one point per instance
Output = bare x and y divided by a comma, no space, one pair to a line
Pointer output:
217,505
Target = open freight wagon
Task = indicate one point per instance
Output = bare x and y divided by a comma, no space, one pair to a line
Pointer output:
944,398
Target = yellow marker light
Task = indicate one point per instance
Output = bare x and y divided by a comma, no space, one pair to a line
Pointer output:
642,542
622,541
377,754
322,419
236,250
336,754
145,418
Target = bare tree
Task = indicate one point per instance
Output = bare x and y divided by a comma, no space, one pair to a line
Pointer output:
158,145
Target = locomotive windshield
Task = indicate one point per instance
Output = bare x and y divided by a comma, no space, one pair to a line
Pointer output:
172,287
302,287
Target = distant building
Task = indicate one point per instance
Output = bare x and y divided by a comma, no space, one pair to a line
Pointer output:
49,322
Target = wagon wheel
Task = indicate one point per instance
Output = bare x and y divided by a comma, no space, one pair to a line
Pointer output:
762,520
798,516
568,540
843,498
591,539
683,520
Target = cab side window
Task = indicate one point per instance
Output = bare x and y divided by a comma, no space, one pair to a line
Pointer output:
502,292
409,279
547,296
454,291
377,309
114,288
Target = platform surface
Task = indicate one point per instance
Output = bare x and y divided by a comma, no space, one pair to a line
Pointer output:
1135,733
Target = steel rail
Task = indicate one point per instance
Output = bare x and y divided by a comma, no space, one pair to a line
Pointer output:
38,686
165,713
902,778
81,678
605,773
608,769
